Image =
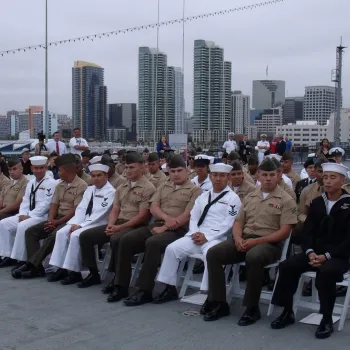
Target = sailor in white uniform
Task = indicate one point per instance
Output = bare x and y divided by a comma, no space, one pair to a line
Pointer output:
34,209
338,153
92,211
262,146
230,145
211,221
286,179
202,179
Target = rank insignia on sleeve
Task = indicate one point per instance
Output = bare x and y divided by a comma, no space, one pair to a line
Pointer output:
274,206
49,192
294,210
232,212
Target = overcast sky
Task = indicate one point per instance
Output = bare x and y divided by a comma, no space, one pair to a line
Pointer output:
297,39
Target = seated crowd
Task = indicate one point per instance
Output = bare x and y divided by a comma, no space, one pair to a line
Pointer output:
227,212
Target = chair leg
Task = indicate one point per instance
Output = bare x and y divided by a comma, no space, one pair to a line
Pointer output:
344,310
233,287
105,263
180,272
271,306
298,294
136,269
188,277
314,291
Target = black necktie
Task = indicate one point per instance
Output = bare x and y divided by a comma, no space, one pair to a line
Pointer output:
311,182
32,195
207,207
90,205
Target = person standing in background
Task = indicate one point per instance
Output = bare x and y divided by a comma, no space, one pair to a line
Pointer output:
281,146
273,145
262,146
56,145
78,144
162,145
26,164
289,144
230,145
245,149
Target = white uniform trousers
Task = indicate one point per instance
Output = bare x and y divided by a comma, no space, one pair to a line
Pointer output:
12,237
66,252
261,157
179,250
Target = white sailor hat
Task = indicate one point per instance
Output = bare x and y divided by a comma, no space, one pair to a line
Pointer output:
336,168
25,150
38,160
203,159
95,160
231,134
263,135
336,151
99,167
220,168
276,156
311,155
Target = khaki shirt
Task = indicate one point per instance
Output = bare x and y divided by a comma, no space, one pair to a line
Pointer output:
4,181
158,178
243,190
192,174
295,178
119,168
248,178
86,177
346,187
116,180
131,199
67,196
13,192
262,217
308,194
174,202
287,189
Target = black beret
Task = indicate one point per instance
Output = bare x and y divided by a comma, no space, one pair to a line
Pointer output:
145,150
65,159
133,157
233,156
319,162
121,152
93,154
86,153
268,165
287,156
153,157
253,160
53,154
177,161
13,161
201,161
236,166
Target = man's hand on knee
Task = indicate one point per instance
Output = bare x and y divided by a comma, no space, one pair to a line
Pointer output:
23,217
199,238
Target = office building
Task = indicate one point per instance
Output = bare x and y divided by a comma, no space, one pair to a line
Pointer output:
179,101
212,108
344,126
293,110
240,113
23,122
319,103
89,100
122,116
5,127
268,121
268,93
303,133
32,110
116,135
156,95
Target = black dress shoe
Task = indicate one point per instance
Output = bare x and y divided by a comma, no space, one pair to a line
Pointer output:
250,316
6,262
325,329
139,298
89,281
118,294
18,265
198,268
220,310
206,307
285,319
109,288
28,271
72,278
307,291
58,275
341,291
168,294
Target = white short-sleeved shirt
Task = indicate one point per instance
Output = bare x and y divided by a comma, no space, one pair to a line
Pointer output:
263,143
51,147
77,141
229,146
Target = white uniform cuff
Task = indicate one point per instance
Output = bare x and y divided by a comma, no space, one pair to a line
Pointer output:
309,251
328,256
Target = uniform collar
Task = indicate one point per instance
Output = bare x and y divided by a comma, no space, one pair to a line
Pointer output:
157,173
138,183
277,192
227,188
187,184
74,183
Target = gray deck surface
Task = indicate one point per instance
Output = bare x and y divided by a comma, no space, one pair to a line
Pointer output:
37,315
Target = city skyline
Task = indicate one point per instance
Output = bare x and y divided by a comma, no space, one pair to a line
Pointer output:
292,56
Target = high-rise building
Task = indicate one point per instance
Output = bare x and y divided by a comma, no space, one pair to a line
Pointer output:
268,93
267,122
31,111
211,93
179,101
23,122
344,126
319,103
89,100
122,116
293,110
153,86
240,113
5,127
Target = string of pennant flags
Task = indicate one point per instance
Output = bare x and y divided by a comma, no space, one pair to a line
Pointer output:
98,36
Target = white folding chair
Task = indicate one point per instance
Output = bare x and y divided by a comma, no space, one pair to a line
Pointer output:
234,289
339,309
